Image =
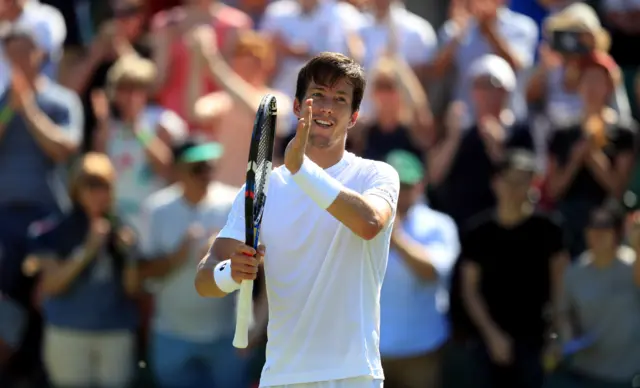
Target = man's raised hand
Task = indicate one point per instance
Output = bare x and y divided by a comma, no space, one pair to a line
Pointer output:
294,154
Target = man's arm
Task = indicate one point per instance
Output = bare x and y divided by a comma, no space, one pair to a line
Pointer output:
474,302
429,261
228,245
364,214
558,267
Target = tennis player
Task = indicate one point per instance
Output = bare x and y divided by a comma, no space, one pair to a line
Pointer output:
326,228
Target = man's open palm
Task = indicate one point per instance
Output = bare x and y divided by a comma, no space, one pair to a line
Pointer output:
294,154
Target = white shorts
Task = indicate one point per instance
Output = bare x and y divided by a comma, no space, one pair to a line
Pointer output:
356,382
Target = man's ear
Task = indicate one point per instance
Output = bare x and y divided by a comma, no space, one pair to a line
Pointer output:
296,107
354,119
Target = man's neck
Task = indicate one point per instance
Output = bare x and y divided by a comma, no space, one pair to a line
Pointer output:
513,214
193,196
389,121
325,157
604,258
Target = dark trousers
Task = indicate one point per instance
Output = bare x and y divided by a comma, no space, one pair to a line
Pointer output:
467,365
14,246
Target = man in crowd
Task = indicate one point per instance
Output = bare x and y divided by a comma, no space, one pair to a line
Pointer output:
48,29
511,270
188,329
482,27
424,248
40,129
460,166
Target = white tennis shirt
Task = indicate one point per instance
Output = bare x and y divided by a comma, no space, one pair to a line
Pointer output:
323,281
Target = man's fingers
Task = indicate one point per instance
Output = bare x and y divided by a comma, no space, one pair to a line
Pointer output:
309,112
246,250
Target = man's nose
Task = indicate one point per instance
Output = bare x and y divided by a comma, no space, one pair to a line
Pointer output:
325,107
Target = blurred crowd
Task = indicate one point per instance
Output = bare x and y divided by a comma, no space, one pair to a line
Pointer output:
124,133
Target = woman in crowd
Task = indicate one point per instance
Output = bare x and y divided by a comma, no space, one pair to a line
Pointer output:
601,340
592,161
88,276
400,118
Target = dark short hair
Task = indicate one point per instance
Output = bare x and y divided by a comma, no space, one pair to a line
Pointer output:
328,68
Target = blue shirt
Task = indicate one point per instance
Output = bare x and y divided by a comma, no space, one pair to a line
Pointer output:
96,300
28,175
413,311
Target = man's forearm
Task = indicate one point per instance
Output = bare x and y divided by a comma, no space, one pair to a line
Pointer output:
416,257
47,134
499,46
205,282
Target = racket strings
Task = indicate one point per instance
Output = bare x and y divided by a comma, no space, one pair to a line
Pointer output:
264,166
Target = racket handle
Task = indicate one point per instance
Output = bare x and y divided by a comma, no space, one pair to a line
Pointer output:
243,317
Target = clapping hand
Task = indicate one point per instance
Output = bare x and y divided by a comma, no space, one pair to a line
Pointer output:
294,154
22,93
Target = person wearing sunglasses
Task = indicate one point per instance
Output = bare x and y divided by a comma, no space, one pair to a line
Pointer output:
191,336
87,280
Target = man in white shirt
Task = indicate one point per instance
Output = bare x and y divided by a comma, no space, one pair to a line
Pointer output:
326,228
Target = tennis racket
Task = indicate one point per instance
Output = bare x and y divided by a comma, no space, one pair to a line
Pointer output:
255,197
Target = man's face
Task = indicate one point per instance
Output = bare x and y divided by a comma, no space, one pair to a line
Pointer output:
408,196
332,115
513,186
488,98
197,175
245,65
22,53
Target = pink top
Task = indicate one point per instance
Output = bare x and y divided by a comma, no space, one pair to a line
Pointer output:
173,94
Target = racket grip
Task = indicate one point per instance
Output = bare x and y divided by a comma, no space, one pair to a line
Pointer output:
243,317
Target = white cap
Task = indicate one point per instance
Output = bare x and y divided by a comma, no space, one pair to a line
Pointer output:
498,69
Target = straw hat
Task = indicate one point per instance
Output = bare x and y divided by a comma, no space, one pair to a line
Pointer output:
579,17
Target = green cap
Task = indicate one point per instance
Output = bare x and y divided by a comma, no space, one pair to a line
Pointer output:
201,153
408,166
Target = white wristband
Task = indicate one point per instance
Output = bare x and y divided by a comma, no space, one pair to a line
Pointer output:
322,188
223,278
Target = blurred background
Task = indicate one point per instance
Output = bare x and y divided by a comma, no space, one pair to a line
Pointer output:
526,107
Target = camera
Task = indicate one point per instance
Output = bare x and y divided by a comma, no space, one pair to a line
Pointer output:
569,42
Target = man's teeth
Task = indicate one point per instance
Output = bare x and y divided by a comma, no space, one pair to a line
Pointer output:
323,123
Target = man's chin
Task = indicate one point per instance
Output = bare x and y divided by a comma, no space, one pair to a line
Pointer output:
319,141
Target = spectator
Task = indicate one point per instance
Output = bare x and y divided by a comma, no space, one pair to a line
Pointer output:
171,55
40,130
484,27
231,113
621,18
424,247
135,138
47,27
511,269
124,34
87,278
401,119
192,336
553,85
295,25
408,35
602,343
460,166
591,161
